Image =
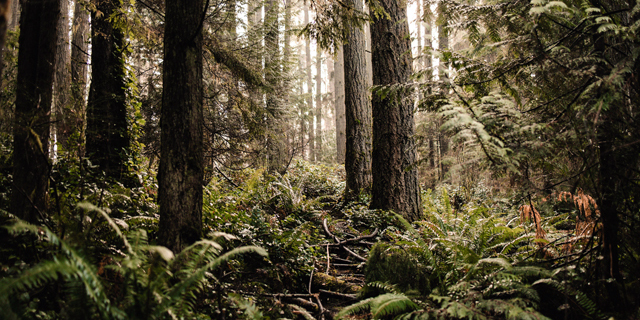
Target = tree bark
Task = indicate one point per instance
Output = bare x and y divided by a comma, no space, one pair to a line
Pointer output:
181,172
107,134
357,110
395,178
443,45
318,113
36,60
80,68
309,110
5,23
277,150
62,79
339,107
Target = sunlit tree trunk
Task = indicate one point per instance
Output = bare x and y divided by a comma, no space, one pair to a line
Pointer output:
181,174
36,62
395,178
341,121
358,111
79,67
63,127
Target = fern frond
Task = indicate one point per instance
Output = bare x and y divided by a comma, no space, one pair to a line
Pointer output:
391,304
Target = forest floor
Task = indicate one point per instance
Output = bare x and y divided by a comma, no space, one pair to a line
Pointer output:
475,254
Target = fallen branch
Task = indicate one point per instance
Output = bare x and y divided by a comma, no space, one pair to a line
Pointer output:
338,294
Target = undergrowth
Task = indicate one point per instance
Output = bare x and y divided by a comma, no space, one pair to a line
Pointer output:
474,255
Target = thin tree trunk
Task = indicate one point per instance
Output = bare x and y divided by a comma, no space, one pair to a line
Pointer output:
358,111
318,113
181,174
62,79
5,23
309,110
80,67
36,61
339,107
395,178
277,150
443,45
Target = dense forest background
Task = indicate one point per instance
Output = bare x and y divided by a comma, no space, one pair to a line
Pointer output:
319,159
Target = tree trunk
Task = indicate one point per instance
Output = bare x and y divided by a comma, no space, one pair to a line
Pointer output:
318,145
5,23
341,121
107,134
36,61
181,173
277,150
357,110
443,45
62,79
80,68
395,178
309,110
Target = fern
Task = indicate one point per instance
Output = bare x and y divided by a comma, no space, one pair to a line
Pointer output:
381,306
152,282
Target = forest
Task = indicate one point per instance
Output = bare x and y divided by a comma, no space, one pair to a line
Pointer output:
319,159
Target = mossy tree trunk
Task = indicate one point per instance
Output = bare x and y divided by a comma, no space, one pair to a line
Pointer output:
277,146
36,62
341,122
181,174
395,178
107,134
357,110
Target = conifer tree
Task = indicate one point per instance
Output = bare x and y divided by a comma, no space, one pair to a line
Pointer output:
36,61
181,173
357,110
395,177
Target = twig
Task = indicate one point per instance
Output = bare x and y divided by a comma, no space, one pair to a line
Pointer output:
355,254
289,295
328,261
228,179
311,276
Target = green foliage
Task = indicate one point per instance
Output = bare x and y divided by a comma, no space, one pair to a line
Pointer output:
382,306
469,263
141,281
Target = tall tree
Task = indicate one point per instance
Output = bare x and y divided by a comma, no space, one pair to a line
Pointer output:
107,134
341,122
317,151
395,179
309,110
443,45
79,70
36,60
181,170
357,110
62,77
277,150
